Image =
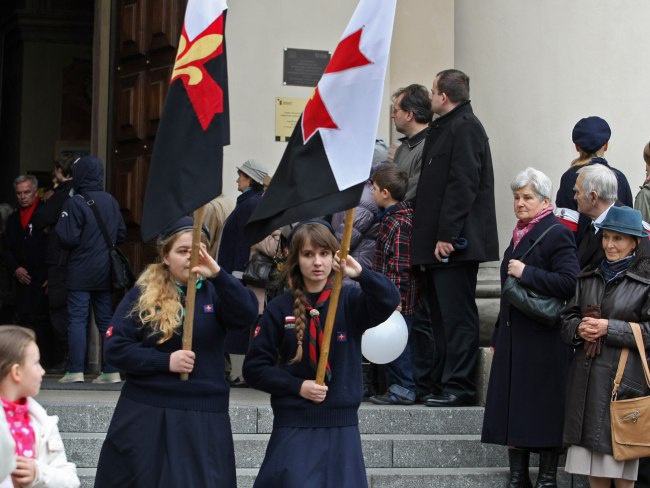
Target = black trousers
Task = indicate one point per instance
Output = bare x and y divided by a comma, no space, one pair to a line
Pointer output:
450,295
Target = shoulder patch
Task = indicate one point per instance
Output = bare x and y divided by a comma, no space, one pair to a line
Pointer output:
290,322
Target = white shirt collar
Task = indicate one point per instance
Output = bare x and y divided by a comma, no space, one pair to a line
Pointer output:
600,218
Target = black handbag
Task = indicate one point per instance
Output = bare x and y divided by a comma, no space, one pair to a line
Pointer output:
543,309
122,275
258,270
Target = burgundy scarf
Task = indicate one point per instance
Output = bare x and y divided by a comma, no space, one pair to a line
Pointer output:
522,228
315,329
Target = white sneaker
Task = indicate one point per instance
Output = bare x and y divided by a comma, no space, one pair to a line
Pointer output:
72,378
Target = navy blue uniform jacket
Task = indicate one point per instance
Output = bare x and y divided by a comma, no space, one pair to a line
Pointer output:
266,366
89,265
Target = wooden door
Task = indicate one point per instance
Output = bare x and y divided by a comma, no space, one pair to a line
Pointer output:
147,34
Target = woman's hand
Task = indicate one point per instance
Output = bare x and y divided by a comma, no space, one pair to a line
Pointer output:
515,268
182,361
207,266
312,391
350,267
25,471
591,329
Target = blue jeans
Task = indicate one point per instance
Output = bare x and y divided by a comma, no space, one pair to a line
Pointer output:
79,302
400,371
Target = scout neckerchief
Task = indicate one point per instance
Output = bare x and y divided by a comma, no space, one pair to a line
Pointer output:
181,290
315,330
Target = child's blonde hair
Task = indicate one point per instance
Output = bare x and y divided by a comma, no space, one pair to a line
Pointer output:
13,342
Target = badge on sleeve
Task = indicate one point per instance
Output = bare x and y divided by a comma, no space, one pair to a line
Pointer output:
341,336
290,322
209,308
109,332
257,331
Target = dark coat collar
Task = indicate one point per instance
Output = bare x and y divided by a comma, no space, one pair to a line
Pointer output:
462,108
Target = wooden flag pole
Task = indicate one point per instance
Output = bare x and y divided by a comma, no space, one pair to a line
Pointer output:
190,299
334,300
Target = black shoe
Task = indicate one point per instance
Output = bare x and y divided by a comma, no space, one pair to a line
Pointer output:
445,400
389,398
423,398
548,461
238,383
56,368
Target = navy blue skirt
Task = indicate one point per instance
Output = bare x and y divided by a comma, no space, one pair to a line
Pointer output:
166,448
328,457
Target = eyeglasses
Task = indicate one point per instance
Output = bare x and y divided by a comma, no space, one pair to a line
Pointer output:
397,109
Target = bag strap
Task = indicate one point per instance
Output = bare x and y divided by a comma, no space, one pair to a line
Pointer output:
638,338
536,242
100,221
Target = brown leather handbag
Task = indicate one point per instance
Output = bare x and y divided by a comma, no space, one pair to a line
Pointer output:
630,419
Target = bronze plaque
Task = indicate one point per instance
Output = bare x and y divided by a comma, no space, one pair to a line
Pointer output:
303,67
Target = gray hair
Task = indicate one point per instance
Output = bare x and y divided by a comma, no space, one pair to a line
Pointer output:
600,179
23,178
538,181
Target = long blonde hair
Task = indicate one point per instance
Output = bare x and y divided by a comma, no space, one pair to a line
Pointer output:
319,236
160,305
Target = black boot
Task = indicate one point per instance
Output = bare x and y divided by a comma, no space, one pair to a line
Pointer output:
519,477
547,469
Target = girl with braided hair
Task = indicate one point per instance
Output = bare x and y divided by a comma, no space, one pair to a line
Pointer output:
317,423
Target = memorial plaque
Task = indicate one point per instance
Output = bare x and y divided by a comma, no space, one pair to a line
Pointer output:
303,67
287,113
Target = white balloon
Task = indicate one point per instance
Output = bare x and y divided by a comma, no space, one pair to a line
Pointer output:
385,342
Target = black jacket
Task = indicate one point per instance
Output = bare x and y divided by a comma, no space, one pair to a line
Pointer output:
625,299
455,194
89,266
46,218
234,249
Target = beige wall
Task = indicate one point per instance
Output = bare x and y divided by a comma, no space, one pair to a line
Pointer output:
257,31
536,68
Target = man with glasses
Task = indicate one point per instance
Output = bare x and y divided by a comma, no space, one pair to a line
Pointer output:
411,116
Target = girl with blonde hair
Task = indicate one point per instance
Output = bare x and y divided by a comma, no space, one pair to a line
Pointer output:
166,432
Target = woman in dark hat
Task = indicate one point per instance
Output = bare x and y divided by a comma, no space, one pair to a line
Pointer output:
166,432
315,440
591,138
597,323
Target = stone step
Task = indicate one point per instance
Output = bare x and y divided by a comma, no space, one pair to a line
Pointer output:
254,419
380,450
407,478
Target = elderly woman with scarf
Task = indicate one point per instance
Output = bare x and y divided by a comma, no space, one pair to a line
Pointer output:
525,399
597,323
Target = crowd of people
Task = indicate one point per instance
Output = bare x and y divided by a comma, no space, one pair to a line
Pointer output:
425,222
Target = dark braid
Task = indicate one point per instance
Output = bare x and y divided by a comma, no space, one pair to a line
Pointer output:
299,307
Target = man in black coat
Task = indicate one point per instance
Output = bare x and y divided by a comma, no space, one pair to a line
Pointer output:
454,229
24,255
56,259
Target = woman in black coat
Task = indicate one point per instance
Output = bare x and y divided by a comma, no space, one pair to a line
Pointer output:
525,398
608,297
